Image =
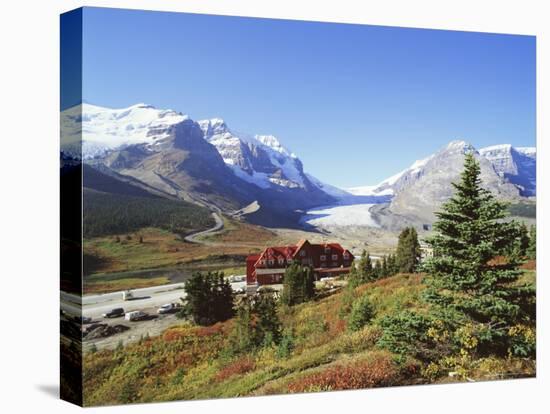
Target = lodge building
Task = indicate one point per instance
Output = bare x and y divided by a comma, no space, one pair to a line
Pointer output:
326,259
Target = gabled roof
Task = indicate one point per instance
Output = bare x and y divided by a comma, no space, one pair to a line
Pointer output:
285,252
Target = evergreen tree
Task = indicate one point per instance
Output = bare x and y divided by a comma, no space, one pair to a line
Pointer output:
384,271
361,314
392,265
377,272
465,283
523,239
268,325
257,324
365,268
532,247
209,298
242,337
518,250
408,250
298,284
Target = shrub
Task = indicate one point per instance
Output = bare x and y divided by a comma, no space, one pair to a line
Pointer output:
361,314
523,341
377,371
406,334
362,339
285,347
237,367
348,296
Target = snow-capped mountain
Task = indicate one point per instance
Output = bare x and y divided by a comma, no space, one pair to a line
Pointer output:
203,162
421,189
260,160
103,129
393,184
516,165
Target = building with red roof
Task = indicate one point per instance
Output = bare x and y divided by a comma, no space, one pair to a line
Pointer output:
326,259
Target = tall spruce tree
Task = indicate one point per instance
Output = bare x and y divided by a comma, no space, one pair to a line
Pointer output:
257,323
392,265
377,271
465,281
408,250
385,269
298,284
365,268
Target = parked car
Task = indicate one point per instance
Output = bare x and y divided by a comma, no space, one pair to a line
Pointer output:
83,320
167,308
114,313
135,316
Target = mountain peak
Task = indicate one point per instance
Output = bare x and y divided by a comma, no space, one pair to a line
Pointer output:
273,142
460,145
102,129
213,127
143,106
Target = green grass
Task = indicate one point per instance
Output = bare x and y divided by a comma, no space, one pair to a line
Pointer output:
159,248
116,285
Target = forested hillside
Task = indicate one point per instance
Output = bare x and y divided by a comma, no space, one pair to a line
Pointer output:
108,213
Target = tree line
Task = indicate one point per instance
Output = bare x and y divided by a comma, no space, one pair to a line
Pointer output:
107,213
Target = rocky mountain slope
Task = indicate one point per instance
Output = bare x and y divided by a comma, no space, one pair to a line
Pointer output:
515,165
421,189
202,162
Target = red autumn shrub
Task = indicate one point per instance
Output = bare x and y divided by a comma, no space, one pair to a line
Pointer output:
378,371
529,265
238,367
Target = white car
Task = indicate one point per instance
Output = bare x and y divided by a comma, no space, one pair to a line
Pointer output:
166,308
135,316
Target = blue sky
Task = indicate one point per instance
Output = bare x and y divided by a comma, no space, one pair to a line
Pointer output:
356,103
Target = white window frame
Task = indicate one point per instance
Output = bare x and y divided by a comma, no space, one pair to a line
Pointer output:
334,257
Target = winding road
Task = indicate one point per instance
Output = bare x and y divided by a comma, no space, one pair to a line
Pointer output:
192,238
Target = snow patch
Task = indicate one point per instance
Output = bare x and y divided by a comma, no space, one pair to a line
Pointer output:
102,129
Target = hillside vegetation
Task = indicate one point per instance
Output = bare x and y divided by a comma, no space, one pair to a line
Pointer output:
149,248
108,213
318,352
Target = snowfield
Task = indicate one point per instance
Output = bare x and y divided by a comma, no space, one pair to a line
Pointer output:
341,215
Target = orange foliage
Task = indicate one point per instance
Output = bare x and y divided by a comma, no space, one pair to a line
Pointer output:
378,371
238,367
529,265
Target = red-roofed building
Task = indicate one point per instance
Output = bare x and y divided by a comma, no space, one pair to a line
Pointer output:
327,259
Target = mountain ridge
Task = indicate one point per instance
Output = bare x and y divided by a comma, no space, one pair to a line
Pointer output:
199,161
